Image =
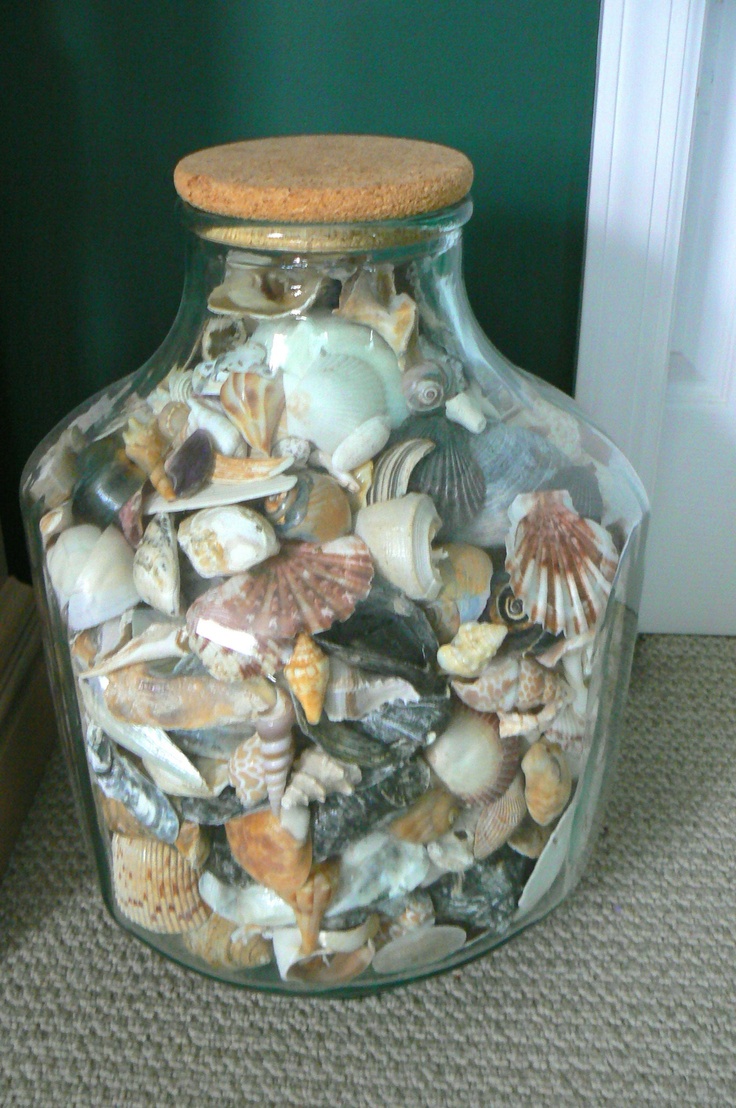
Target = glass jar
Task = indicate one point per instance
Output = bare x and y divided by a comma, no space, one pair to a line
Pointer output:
339,606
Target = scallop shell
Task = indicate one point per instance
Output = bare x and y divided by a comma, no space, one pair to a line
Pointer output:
218,943
155,887
471,759
261,292
499,819
559,564
147,447
393,470
548,781
104,586
307,674
268,852
254,404
399,535
370,298
450,474
220,542
303,588
188,703
247,772
156,566
337,396
316,509
428,818
425,386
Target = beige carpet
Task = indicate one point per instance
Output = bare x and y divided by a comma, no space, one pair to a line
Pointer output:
626,995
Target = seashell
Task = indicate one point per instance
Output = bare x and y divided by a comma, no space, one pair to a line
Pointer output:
361,445
223,541
222,493
512,460
450,474
118,818
408,913
504,607
352,693
178,384
155,887
67,557
484,895
172,421
409,723
174,784
156,567
108,482
190,465
315,510
453,851
307,674
247,772
495,689
419,948
220,335
370,299
548,781
394,468
399,535
499,819
236,470
119,780
321,968
473,647
254,906
188,703
425,386
56,521
274,729
254,404
291,446
466,573
193,844
268,852
225,436
97,643
465,410
263,658
311,901
428,818
147,447
104,586
56,474
262,292
375,867
390,634
213,742
337,396
218,944
560,565
214,811
305,587
316,776
347,744
582,484
158,642
529,838
471,759
362,477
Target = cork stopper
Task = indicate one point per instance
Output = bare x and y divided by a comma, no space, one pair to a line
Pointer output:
313,179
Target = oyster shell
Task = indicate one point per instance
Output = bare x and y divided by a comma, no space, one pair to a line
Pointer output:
155,887
156,566
399,535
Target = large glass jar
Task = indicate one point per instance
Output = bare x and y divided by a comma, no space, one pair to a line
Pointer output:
339,605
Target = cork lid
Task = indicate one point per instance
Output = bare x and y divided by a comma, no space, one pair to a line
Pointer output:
324,178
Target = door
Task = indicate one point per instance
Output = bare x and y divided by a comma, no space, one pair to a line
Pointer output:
657,353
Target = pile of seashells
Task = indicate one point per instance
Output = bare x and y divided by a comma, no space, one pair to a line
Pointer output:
332,623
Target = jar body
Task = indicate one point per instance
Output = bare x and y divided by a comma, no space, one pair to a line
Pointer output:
339,610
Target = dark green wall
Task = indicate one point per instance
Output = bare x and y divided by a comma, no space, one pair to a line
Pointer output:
102,99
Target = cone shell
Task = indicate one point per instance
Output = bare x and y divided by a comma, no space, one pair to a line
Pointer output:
499,819
247,772
428,818
215,942
155,887
471,759
548,781
269,853
473,647
399,535
315,510
254,405
308,672
303,588
559,564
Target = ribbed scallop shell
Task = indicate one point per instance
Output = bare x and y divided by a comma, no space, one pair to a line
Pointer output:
471,758
336,396
450,474
155,886
303,588
560,565
254,404
498,820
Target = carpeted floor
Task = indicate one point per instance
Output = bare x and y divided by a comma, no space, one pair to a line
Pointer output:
626,995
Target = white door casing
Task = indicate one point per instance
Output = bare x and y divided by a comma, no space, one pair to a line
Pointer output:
657,352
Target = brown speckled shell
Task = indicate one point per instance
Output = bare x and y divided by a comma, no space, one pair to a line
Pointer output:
155,886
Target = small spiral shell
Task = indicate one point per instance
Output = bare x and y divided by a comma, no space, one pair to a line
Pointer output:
425,387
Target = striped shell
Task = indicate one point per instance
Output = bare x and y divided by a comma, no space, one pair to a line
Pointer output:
155,887
560,565
471,758
247,772
254,404
499,820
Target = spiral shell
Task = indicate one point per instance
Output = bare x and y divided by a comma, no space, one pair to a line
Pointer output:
399,535
277,747
155,887
308,672
315,510
247,772
425,387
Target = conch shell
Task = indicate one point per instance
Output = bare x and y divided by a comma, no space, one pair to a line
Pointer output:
308,672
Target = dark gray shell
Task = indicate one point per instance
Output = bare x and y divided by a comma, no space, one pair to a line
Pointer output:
582,484
108,482
450,474
222,865
345,742
485,895
119,779
213,812
419,723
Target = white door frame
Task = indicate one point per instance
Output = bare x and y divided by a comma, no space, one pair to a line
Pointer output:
648,58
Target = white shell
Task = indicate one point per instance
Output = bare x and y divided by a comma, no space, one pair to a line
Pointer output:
105,586
352,693
221,494
362,445
465,410
337,396
471,759
253,907
419,948
377,866
157,642
399,535
225,436
172,784
316,776
223,541
156,566
54,522
372,300
473,647
67,556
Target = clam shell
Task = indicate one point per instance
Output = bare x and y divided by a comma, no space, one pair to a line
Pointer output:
104,587
393,470
307,673
559,564
156,566
217,944
315,510
303,588
268,852
261,292
473,647
337,396
67,557
222,493
548,781
254,404
471,759
220,542
370,298
155,887
499,819
417,949
399,535
428,818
